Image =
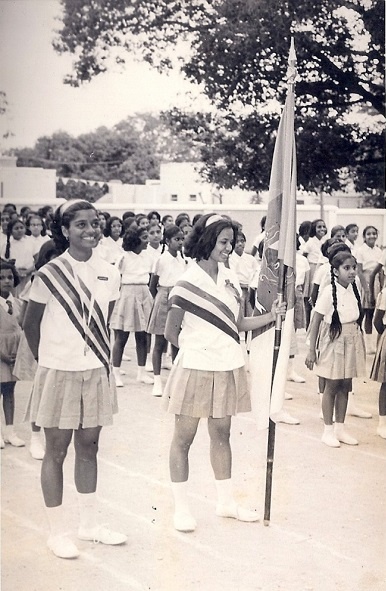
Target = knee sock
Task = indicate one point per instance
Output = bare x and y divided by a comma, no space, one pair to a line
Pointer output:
55,516
224,492
180,494
87,510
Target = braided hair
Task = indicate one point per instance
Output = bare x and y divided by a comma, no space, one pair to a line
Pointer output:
336,260
169,233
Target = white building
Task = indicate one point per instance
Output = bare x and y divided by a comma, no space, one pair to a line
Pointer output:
26,185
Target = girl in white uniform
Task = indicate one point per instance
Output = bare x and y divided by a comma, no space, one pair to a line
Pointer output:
337,345
166,272
132,311
66,325
208,378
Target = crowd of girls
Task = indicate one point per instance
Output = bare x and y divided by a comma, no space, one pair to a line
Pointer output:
188,283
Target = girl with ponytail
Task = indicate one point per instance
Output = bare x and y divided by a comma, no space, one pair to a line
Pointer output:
336,344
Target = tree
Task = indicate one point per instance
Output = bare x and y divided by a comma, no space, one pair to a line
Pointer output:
238,52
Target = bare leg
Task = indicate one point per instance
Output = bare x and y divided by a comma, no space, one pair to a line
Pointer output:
86,450
328,402
8,392
341,400
120,341
185,429
220,449
158,349
141,346
57,442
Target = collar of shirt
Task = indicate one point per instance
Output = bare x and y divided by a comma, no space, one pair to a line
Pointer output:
3,302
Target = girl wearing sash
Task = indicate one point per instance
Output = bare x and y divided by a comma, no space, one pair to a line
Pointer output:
66,325
208,378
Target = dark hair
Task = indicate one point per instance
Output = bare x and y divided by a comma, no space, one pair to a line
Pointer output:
128,214
336,229
262,222
105,214
368,228
128,222
48,252
132,238
240,233
350,227
196,218
305,228
5,265
165,217
314,223
336,260
140,216
169,233
43,231
326,245
109,223
202,240
152,214
180,217
10,207
11,224
64,219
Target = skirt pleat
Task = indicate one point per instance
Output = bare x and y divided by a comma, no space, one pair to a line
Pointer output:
343,358
68,399
132,310
159,312
200,394
378,370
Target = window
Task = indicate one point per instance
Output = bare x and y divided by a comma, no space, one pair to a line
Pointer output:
174,197
192,197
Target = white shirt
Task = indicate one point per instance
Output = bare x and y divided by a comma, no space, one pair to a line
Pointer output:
169,269
135,268
38,242
153,254
352,247
22,251
369,257
381,303
245,267
302,267
202,345
347,304
61,346
110,250
311,248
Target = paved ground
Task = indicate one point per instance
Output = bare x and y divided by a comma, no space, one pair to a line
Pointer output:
328,518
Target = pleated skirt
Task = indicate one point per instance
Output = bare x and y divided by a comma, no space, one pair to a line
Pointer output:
69,399
378,370
202,394
159,312
343,358
132,310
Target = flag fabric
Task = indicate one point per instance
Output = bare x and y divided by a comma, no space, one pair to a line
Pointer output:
278,257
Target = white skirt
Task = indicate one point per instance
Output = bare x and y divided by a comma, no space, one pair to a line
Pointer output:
132,310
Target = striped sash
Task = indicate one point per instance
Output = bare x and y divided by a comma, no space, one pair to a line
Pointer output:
59,277
191,298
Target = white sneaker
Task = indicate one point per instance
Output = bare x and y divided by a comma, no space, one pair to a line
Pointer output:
184,522
144,379
354,411
149,366
126,358
285,417
344,437
330,440
166,363
287,396
294,377
157,390
117,377
102,535
36,450
234,511
62,547
14,440
381,431
122,372
2,444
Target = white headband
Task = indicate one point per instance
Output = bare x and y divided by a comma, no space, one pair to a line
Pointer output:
63,208
213,219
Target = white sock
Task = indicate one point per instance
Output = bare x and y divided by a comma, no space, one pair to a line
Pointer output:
55,516
141,372
35,437
180,494
329,429
9,430
224,492
339,428
382,420
87,510
116,370
157,381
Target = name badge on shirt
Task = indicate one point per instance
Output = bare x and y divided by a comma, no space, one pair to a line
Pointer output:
102,278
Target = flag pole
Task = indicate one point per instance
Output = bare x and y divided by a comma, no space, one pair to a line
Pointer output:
282,274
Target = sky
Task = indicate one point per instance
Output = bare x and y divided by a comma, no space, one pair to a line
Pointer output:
31,75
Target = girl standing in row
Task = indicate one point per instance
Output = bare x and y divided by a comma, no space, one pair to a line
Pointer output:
166,273
378,370
73,394
19,249
134,306
208,378
336,345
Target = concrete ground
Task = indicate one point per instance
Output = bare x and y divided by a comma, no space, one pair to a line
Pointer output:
328,515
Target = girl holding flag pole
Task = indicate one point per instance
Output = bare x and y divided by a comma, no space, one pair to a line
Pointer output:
66,326
208,378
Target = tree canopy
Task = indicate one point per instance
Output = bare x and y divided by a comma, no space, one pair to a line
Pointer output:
237,51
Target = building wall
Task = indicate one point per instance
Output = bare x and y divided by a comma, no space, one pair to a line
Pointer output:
27,186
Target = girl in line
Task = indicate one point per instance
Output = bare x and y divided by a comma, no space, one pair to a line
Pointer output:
66,326
208,378
352,231
36,229
10,333
166,273
311,250
336,345
378,370
369,255
134,306
19,249
110,248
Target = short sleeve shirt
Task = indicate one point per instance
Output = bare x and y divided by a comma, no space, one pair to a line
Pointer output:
169,269
61,346
347,304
